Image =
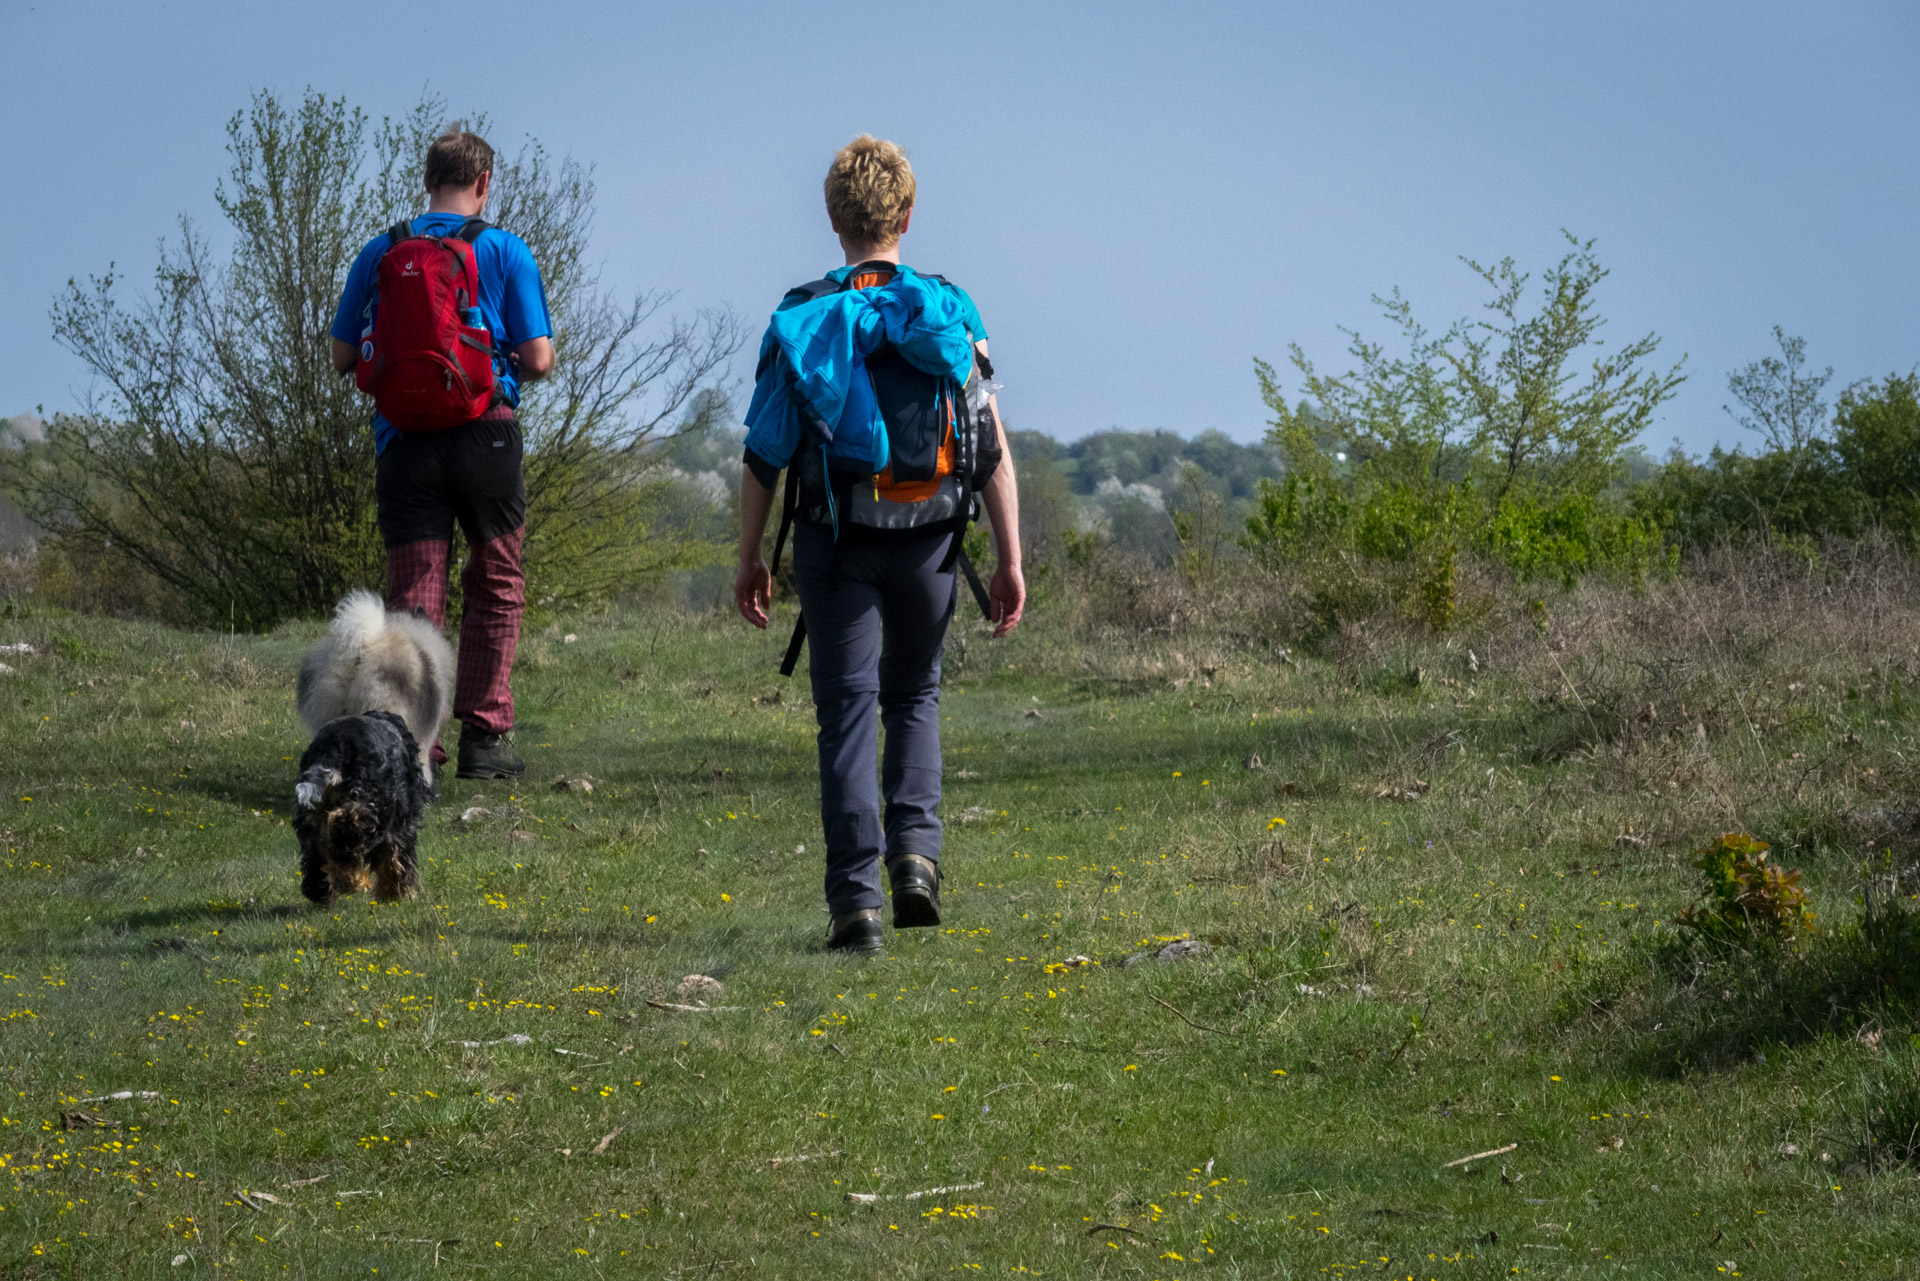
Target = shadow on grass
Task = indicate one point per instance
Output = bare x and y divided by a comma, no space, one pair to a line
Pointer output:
1678,1005
185,916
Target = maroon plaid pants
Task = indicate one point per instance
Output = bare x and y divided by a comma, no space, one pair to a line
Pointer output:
494,594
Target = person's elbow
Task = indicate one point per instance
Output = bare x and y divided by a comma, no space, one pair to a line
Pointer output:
533,359
345,356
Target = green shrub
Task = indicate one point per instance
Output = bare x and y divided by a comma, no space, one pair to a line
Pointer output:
1294,518
1698,503
1567,536
1402,524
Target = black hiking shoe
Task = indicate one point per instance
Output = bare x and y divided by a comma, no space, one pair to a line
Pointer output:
484,755
916,891
856,931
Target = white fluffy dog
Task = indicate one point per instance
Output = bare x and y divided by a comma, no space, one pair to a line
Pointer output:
374,661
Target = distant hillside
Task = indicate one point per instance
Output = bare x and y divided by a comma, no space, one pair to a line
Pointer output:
1151,458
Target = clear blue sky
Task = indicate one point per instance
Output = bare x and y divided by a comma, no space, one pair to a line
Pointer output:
1141,197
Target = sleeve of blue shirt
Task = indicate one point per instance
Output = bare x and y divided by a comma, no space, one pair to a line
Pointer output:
524,307
351,316
970,314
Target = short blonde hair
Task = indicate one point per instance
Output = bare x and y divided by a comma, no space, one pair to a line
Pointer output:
870,190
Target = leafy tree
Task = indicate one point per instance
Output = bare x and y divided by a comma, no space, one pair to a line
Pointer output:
221,454
1534,421
1779,400
1393,415
1877,439
1504,428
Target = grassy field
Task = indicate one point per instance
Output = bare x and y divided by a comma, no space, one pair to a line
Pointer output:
1437,918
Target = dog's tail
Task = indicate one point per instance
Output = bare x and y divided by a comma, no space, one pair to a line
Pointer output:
358,621
327,672
311,791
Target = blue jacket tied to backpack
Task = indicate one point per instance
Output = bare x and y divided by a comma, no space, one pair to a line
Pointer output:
813,363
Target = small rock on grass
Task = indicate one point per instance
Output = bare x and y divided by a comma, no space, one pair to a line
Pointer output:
1183,950
562,783
700,987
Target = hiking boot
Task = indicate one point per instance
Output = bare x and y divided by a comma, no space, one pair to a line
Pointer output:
856,931
484,755
916,891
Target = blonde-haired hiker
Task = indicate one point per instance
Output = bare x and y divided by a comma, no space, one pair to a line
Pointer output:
875,393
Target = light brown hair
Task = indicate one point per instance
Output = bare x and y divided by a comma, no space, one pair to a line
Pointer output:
870,188
457,158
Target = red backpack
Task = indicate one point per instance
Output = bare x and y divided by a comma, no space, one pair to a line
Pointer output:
424,361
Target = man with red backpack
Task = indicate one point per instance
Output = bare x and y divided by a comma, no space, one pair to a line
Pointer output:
442,319
875,393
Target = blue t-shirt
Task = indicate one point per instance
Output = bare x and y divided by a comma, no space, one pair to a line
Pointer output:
513,301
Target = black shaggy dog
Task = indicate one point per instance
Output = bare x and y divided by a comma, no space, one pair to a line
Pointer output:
357,807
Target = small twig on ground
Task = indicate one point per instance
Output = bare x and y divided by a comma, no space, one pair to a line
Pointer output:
1183,1018
606,1140
1477,1156
1116,1227
958,1187
803,1156
122,1094
306,1183
868,1198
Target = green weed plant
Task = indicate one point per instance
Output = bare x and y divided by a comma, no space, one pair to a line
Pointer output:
1747,898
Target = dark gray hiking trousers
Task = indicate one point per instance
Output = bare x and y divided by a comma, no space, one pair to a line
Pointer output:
876,622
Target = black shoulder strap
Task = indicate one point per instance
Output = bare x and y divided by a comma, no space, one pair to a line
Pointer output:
402,230
813,289
470,229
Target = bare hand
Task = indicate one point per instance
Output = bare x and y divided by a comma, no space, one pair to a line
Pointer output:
753,592
1006,598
